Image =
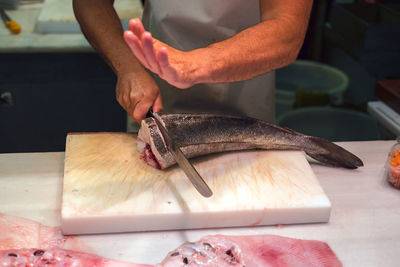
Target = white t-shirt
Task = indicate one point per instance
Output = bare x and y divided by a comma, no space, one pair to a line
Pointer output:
190,24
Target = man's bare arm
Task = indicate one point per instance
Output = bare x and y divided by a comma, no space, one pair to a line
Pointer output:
102,28
136,90
271,44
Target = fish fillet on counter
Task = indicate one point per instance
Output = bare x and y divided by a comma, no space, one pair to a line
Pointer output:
17,232
27,243
57,257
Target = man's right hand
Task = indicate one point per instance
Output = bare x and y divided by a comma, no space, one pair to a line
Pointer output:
137,92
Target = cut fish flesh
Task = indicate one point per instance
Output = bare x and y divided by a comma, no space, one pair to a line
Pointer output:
57,257
209,251
201,134
17,232
251,251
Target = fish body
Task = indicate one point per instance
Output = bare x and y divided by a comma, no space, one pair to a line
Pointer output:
201,134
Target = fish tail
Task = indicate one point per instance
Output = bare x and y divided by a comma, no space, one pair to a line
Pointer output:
331,154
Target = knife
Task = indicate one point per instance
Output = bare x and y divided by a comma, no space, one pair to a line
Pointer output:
182,161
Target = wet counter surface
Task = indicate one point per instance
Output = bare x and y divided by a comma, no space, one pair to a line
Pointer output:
363,229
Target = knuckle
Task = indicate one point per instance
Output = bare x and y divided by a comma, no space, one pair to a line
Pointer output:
125,99
134,96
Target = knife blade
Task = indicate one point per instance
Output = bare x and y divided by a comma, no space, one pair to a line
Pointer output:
194,177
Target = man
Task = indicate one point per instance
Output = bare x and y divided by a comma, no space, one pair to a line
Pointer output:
205,55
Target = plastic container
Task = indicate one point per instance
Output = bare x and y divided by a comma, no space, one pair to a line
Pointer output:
392,165
334,124
308,80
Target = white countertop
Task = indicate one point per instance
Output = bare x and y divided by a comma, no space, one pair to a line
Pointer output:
363,229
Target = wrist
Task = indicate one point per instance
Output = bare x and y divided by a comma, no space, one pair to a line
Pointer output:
206,66
127,65
200,68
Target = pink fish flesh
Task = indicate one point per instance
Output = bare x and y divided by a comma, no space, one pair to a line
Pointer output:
27,243
251,251
16,232
210,251
57,257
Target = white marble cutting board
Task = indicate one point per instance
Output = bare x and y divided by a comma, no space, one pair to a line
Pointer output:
107,188
57,16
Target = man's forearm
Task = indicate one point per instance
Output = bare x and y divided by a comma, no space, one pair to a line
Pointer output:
102,28
272,44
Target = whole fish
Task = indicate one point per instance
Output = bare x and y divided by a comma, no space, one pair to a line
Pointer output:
201,134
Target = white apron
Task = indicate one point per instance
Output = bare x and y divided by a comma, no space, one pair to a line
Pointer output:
190,24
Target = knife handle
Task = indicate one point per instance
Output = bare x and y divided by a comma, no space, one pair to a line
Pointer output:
13,26
150,113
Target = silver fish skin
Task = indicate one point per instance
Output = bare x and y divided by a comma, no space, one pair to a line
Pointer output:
202,134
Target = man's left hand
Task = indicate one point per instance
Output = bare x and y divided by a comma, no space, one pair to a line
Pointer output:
174,66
